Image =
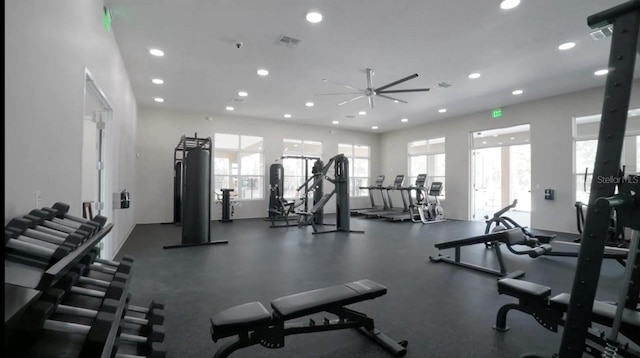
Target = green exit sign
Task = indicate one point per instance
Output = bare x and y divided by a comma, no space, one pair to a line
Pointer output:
106,18
496,113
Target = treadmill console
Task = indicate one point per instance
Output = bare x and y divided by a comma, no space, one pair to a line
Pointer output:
435,189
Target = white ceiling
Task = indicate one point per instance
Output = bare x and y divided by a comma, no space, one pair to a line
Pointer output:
440,40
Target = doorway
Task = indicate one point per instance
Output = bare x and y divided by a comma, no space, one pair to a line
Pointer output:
94,194
501,173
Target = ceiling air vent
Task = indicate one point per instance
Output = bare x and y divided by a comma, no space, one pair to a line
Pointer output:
237,100
287,41
442,85
602,32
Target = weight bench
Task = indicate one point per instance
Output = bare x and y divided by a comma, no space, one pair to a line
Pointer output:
534,299
253,324
509,237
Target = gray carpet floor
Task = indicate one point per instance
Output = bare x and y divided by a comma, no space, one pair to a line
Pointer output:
441,309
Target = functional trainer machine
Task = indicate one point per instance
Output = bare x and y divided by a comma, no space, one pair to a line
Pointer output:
194,156
340,182
580,306
253,324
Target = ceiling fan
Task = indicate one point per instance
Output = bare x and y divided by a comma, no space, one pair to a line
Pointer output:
371,92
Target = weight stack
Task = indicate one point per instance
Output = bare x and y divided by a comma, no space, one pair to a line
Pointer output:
196,198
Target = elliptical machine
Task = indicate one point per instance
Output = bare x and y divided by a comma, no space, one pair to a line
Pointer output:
432,209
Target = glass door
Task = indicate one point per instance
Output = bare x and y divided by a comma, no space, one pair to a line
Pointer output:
487,182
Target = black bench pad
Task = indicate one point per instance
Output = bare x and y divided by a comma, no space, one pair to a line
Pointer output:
603,312
523,289
240,318
319,300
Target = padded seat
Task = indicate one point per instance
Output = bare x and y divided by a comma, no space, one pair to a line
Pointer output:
240,318
523,289
306,303
603,312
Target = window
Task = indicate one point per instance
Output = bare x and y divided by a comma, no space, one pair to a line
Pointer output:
358,156
238,164
586,144
427,157
294,168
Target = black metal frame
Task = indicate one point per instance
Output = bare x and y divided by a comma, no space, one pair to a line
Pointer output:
624,46
184,145
273,335
495,239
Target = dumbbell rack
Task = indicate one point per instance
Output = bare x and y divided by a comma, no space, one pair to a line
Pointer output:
32,282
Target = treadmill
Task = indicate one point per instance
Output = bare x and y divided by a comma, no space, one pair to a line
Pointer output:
376,186
397,183
415,209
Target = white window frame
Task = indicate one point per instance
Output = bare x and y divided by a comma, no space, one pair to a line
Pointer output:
239,152
354,189
429,157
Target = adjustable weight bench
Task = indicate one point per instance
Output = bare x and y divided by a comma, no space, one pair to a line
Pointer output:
536,300
253,324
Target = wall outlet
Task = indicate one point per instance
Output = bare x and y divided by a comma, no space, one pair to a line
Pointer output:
38,198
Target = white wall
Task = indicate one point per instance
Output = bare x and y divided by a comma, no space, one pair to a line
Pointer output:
48,45
159,131
551,152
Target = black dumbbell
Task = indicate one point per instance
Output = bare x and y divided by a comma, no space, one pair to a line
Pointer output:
115,290
109,305
144,310
62,225
123,266
38,315
38,249
62,211
31,226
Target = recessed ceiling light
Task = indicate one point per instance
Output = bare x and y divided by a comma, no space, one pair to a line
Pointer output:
158,99
314,17
442,110
335,122
229,108
242,94
601,72
263,72
156,52
157,81
474,75
512,138
509,4
374,127
404,120
309,104
567,46
362,113
484,142
517,92
396,101
499,142
495,135
287,115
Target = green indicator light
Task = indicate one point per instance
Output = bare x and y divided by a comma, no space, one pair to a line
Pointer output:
496,113
106,19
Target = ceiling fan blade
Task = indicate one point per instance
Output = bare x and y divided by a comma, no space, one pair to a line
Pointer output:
371,102
369,78
391,98
340,84
407,90
332,94
397,82
353,99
